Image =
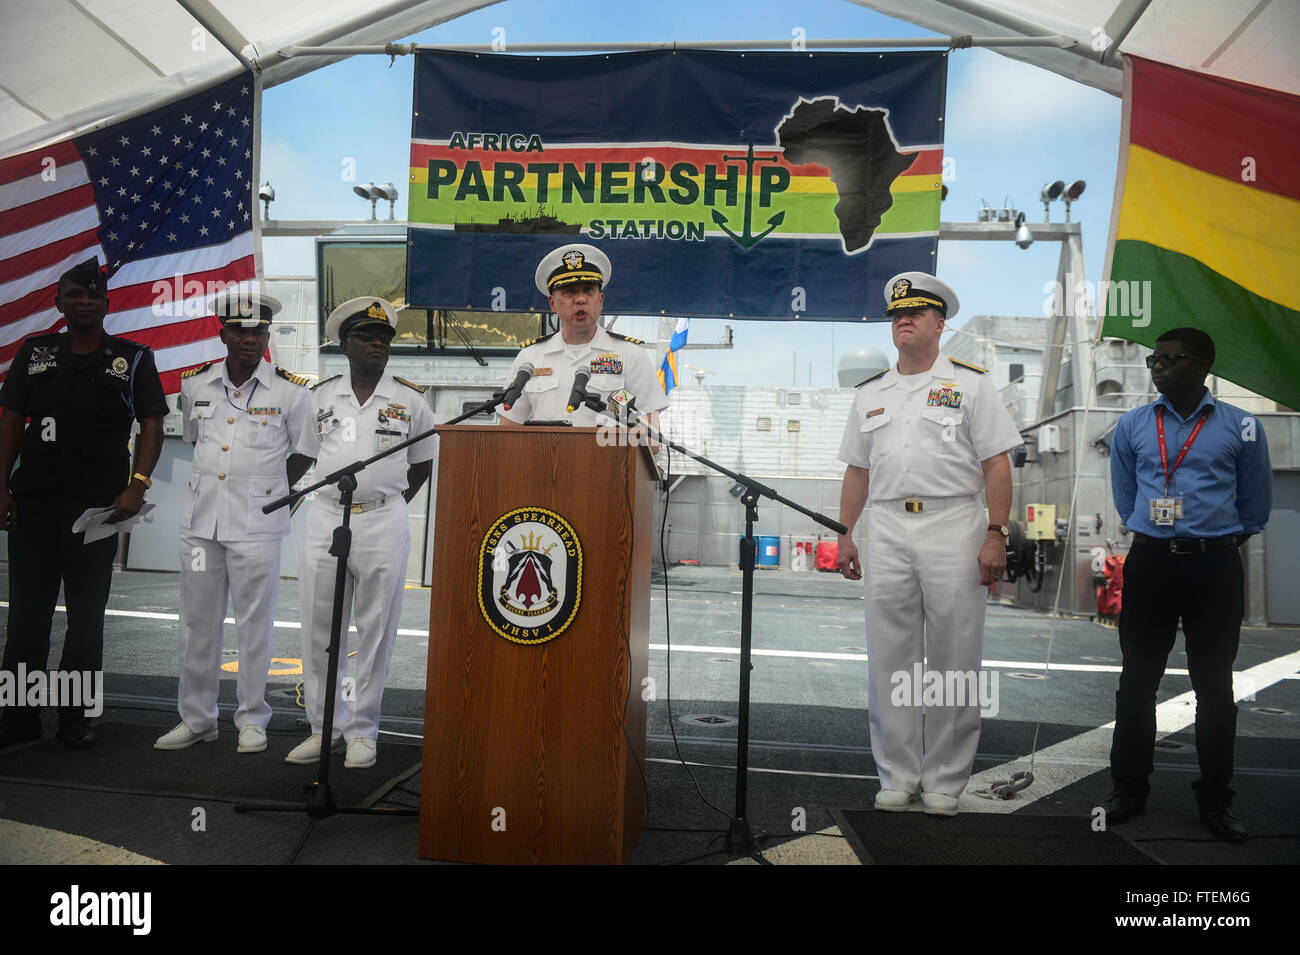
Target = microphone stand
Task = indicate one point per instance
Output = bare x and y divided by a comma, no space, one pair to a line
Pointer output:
320,800
740,836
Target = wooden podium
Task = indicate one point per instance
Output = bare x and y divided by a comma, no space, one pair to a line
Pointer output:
534,722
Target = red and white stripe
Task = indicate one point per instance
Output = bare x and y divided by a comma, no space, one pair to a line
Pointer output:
49,222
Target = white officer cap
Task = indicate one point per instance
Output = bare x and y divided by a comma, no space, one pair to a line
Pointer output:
359,312
920,290
570,264
243,307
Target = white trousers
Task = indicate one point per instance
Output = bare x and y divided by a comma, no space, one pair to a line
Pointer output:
248,574
924,604
375,582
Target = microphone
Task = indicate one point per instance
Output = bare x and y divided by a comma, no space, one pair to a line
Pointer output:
517,386
579,393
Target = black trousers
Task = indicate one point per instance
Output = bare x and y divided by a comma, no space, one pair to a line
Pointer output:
43,552
1207,591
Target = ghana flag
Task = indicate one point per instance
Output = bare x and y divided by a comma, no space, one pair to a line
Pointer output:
1208,213
769,185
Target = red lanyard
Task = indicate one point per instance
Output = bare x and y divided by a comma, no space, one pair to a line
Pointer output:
1164,457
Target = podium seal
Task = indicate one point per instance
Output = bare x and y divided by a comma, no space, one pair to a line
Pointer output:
530,575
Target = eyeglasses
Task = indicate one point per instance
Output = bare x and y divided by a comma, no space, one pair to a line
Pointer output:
1168,361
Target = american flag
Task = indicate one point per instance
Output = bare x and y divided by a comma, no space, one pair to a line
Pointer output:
167,200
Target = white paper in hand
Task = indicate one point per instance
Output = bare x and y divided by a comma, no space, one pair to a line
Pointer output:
94,523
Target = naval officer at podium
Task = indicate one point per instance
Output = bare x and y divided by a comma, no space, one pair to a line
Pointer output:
574,277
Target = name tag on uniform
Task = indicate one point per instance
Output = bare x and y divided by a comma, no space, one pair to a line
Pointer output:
386,439
1166,510
202,404
944,397
607,364
875,411
541,372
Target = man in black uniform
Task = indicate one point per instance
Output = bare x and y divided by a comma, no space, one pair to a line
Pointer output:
79,393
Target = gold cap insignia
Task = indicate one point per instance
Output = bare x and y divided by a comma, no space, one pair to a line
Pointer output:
574,259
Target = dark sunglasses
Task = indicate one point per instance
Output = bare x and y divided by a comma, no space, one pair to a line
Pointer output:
1168,361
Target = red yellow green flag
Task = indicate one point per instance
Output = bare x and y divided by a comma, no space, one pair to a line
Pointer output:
1206,227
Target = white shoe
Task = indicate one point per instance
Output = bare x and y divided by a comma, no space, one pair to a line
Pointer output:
308,751
252,739
361,754
893,800
182,738
939,804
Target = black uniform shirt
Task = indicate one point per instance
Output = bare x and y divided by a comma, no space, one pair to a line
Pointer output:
74,453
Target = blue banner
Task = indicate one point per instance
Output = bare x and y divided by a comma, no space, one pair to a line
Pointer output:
721,185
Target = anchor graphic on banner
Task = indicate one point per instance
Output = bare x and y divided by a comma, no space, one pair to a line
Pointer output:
747,239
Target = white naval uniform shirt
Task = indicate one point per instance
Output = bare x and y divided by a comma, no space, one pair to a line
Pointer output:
615,364
242,439
351,432
926,437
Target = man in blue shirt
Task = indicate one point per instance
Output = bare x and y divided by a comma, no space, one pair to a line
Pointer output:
1192,479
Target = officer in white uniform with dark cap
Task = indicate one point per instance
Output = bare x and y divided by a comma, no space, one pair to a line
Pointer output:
254,436
359,415
573,277
923,440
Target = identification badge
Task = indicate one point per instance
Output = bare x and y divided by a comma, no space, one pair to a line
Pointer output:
203,403
875,411
1166,510
387,439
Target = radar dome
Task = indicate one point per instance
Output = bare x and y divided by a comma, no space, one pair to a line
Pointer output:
860,364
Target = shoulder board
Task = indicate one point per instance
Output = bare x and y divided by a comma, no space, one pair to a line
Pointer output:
410,384
626,338
290,376
324,381
965,364
872,378
197,371
537,341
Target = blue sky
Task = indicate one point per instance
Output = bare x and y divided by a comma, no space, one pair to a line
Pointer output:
1009,128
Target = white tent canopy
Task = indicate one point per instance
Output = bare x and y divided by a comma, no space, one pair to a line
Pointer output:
68,64
1254,41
